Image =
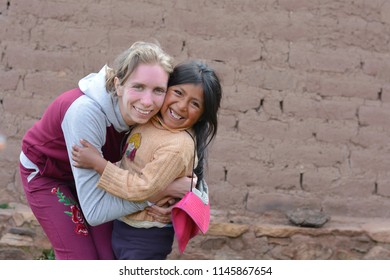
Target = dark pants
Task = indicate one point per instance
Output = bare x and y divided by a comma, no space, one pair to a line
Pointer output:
130,243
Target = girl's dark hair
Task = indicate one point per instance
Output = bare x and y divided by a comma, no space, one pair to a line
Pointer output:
198,72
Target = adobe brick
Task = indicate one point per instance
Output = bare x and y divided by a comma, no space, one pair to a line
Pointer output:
193,25
385,12
247,173
55,34
377,116
10,153
254,126
352,206
137,15
225,72
339,61
265,202
372,160
43,9
227,196
9,123
17,104
320,180
226,121
336,131
49,84
251,75
215,172
371,136
280,178
383,184
276,53
228,148
310,152
25,57
310,107
242,99
279,80
304,129
354,186
236,51
9,79
385,93
297,5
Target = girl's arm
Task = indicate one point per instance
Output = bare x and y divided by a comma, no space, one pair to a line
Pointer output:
87,156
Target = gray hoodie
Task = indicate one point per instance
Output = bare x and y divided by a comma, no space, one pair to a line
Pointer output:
88,118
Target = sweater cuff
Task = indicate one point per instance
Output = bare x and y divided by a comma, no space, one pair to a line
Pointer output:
109,175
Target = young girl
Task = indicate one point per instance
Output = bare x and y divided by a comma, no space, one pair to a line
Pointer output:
157,153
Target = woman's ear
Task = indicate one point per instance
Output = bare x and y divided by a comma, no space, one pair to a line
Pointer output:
118,87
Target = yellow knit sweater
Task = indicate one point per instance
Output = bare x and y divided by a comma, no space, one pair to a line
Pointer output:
154,158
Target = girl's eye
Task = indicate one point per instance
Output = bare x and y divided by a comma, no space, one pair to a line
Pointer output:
196,104
178,92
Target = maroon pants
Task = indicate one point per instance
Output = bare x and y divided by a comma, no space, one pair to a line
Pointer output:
55,205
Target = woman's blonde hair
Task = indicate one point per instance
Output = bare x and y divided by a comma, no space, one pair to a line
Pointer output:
138,53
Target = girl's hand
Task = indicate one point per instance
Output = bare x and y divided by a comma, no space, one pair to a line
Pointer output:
176,189
87,156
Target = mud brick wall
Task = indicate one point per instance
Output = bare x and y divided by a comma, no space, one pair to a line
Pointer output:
306,106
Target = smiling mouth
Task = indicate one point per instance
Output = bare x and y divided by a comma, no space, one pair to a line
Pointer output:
174,115
143,112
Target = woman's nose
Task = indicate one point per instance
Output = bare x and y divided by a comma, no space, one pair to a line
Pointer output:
147,99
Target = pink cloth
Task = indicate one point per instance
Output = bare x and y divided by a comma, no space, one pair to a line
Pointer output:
189,217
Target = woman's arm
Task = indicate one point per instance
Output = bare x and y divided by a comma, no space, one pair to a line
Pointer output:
87,156
84,120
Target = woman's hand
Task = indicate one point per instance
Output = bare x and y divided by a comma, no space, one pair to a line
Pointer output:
161,214
87,156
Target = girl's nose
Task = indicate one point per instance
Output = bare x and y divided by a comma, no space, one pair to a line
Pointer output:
182,105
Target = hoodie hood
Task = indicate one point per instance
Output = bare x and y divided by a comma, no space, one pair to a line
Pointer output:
94,86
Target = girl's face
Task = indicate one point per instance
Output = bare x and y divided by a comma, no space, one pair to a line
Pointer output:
183,106
142,95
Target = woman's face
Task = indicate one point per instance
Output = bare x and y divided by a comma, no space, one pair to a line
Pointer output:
183,106
142,95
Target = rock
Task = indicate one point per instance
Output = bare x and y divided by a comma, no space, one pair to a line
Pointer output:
12,254
306,217
16,240
22,231
227,229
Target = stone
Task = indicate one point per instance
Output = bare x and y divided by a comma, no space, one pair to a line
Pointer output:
306,217
10,239
227,229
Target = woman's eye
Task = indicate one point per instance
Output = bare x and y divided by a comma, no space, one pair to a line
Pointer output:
138,87
178,92
160,91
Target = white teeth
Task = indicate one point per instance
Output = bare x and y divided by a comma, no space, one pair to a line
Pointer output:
144,112
176,116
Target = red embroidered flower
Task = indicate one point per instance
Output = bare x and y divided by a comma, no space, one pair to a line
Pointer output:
75,213
77,217
81,229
